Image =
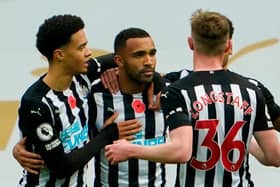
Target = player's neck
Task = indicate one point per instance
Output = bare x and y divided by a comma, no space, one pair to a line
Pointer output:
207,63
129,86
57,80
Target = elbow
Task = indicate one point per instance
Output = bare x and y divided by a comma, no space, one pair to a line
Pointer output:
273,162
184,159
62,169
185,156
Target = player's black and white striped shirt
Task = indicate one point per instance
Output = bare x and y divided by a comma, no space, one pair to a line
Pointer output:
133,172
224,110
57,123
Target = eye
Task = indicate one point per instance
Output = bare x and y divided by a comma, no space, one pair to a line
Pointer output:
82,46
139,54
153,52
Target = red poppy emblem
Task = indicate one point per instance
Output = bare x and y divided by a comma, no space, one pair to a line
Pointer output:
72,101
138,106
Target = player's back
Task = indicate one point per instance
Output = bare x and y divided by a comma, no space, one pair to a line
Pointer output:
224,109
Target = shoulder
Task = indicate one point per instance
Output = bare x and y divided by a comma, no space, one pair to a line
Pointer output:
176,75
105,58
244,81
97,86
36,91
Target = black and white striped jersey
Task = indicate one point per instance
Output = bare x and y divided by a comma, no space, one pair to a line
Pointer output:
224,110
134,172
176,75
56,125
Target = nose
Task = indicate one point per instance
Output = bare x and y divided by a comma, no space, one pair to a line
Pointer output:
149,60
88,52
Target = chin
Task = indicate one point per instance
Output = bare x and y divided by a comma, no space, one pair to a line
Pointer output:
84,71
147,80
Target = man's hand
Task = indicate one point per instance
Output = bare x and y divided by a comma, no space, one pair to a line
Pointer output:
153,104
117,152
32,162
110,80
128,128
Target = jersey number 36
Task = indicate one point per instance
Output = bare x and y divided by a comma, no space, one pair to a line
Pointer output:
224,150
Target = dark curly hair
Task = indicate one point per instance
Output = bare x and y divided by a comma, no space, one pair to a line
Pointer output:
124,35
56,32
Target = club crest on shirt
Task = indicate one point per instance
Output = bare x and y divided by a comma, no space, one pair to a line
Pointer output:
44,132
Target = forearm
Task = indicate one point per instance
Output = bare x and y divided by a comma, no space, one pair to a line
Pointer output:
266,149
63,165
165,153
256,151
177,149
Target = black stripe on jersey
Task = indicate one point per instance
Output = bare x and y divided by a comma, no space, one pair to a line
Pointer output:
57,120
97,167
51,181
79,104
64,99
83,82
113,176
80,181
245,133
67,182
229,120
190,175
32,179
150,133
132,163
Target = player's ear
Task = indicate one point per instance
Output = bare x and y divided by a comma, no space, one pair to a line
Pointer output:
118,60
58,54
190,43
228,48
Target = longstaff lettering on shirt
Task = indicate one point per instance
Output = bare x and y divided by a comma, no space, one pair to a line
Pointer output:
220,97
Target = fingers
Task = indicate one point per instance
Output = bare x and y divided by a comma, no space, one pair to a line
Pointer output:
109,155
32,166
150,95
111,119
109,79
32,162
31,170
112,155
127,129
153,105
156,103
128,137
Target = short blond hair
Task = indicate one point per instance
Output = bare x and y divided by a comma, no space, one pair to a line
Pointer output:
210,32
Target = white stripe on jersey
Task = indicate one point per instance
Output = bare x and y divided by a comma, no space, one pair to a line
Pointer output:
61,107
182,174
253,103
220,114
238,116
201,153
183,167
